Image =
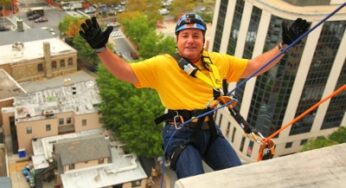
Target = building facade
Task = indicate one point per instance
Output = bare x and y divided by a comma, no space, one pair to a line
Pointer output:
308,72
51,112
38,59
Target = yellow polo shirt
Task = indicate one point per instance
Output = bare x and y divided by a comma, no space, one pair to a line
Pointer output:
178,90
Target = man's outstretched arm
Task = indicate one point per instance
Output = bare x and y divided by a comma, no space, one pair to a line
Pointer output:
97,39
117,66
289,34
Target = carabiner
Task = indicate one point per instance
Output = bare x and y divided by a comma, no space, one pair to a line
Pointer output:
181,120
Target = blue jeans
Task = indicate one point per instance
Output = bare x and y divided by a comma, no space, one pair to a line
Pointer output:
219,155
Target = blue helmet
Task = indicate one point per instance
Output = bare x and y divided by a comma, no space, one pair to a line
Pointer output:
188,21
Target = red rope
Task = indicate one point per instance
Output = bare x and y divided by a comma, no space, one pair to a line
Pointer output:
268,140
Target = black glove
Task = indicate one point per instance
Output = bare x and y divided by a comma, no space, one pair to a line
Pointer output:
292,32
92,33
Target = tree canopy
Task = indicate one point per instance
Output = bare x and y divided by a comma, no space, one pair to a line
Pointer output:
141,30
70,25
337,137
130,114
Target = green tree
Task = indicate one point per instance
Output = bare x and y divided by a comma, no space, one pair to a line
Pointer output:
150,8
86,55
319,142
180,7
5,4
70,25
141,30
153,44
130,114
138,27
337,137
107,2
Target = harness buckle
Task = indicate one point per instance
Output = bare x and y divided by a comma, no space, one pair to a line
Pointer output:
180,119
224,99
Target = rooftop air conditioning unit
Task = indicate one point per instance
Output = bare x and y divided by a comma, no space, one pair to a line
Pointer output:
48,113
18,46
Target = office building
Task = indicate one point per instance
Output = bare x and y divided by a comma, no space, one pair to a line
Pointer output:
308,72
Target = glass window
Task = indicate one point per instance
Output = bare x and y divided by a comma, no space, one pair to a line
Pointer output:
71,166
220,120
228,129
70,61
232,42
233,134
220,24
318,75
272,89
249,149
48,127
61,121
101,161
288,144
54,65
62,63
302,142
68,120
241,148
28,130
84,122
337,105
39,67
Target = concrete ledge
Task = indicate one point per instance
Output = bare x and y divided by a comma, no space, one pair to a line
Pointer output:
324,167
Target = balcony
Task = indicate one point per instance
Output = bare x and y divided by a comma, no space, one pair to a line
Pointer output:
63,129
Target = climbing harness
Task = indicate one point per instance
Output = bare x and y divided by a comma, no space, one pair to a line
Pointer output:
267,148
177,117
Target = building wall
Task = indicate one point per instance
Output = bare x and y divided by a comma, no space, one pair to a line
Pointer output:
86,164
27,130
272,100
35,69
6,113
87,121
4,104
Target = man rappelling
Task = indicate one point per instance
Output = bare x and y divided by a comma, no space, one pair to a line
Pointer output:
189,83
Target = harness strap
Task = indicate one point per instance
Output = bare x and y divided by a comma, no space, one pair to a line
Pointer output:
193,140
214,77
186,114
174,156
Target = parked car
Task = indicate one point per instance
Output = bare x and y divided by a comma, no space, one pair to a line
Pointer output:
34,16
41,19
90,10
164,11
3,28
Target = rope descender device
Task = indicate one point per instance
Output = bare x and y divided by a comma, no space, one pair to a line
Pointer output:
267,146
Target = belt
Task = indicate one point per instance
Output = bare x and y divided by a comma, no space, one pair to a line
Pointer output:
204,126
183,115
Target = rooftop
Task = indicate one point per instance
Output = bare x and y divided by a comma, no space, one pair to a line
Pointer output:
80,98
28,35
8,86
311,13
81,149
22,51
124,167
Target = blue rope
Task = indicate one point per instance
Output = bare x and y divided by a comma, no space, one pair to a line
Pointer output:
245,80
